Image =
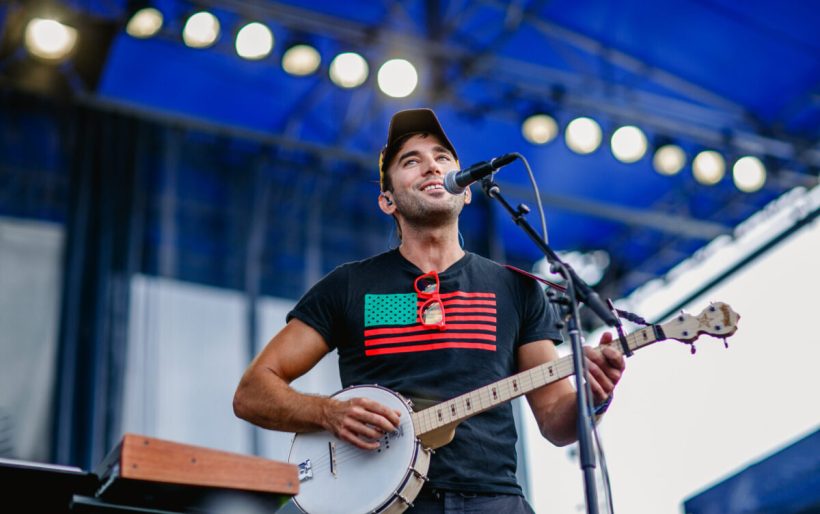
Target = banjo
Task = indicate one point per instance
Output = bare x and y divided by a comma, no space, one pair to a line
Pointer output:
331,471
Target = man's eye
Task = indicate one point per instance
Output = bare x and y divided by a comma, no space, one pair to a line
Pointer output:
444,158
410,162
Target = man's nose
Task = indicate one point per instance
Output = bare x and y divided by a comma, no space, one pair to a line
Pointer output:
434,167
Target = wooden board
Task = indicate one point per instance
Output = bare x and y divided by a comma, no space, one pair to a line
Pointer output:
139,457
154,473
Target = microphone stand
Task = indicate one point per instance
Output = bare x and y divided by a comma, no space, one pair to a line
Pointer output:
577,291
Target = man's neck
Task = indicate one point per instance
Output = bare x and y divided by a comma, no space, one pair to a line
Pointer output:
431,250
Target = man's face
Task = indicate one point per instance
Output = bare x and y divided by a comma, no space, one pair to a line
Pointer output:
417,175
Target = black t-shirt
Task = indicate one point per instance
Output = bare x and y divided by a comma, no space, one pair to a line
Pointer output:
368,311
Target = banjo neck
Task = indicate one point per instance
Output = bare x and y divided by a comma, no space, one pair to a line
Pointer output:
435,426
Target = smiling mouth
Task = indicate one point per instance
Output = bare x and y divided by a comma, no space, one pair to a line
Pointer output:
433,187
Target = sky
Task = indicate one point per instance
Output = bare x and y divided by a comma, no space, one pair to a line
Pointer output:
680,423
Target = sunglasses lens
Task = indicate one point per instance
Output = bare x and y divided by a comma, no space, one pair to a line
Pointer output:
432,314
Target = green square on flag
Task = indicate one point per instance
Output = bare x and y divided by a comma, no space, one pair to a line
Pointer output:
390,309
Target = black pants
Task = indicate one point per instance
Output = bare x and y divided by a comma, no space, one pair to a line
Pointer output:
449,502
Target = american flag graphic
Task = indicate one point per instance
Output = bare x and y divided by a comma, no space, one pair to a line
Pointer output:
392,324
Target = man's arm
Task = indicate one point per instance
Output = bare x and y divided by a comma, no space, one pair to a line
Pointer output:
555,406
264,396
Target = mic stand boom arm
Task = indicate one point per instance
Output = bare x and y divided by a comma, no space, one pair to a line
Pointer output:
583,293
577,291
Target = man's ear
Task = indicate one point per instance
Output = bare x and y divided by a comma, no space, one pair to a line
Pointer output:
386,203
468,195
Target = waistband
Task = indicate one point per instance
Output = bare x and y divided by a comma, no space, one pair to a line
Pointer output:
438,494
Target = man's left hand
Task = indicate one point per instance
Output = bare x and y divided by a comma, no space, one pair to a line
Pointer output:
605,366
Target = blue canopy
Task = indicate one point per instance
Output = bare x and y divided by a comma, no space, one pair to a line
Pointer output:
738,78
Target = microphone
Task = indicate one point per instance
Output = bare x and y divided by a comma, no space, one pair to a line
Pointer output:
456,181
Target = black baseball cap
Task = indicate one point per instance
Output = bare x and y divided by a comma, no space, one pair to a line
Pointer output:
410,121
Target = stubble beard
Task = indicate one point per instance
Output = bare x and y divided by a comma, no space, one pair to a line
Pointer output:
421,214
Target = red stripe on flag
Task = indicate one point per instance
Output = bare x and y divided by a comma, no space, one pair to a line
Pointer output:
467,295
459,301
398,330
488,319
429,347
470,326
484,310
485,304
418,328
447,334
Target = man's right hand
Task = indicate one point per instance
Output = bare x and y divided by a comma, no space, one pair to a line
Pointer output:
360,421
264,396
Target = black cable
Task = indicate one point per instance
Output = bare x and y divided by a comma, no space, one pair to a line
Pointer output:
632,317
537,196
607,487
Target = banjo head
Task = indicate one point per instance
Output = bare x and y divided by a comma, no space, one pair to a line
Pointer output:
339,478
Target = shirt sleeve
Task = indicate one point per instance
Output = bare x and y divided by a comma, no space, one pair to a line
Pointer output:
323,306
540,317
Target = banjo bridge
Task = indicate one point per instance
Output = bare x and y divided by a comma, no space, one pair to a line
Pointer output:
331,449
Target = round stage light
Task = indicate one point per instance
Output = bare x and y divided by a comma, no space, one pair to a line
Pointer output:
708,167
144,23
628,144
301,60
539,129
749,174
201,30
254,41
583,135
669,159
348,70
397,78
50,39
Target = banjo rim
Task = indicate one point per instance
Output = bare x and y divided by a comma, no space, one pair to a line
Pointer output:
414,478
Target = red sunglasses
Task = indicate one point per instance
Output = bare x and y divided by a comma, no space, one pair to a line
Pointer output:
431,312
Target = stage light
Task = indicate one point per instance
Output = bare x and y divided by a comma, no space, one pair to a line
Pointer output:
708,167
254,41
583,135
397,78
49,39
669,159
348,70
201,30
539,129
144,23
749,174
301,59
628,144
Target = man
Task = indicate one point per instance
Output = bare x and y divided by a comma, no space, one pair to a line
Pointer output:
429,321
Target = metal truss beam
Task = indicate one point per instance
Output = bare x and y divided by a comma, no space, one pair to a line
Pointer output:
678,225
709,119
